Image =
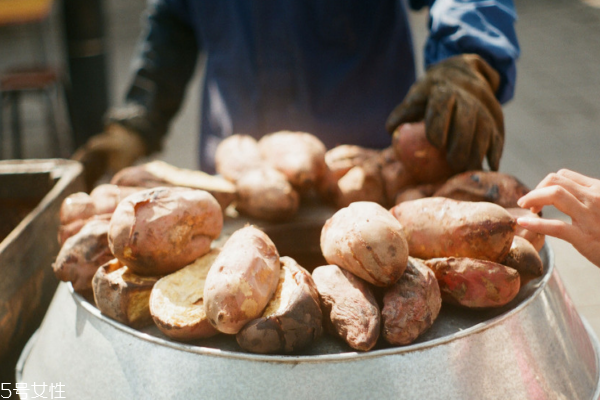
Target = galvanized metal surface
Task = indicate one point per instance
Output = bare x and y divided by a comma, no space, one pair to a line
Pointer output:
538,348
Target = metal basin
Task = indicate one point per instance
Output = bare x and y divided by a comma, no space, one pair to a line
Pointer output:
536,347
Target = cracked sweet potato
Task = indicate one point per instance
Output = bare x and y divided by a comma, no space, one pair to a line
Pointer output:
177,301
265,193
495,187
160,174
475,283
160,230
236,155
291,321
411,305
300,156
424,162
242,280
350,310
82,254
440,227
365,239
123,295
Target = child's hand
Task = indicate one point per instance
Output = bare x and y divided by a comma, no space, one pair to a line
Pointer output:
576,195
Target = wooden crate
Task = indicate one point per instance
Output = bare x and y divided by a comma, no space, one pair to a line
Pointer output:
31,193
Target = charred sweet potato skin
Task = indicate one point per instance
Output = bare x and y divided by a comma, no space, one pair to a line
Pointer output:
475,283
524,258
82,254
350,310
411,305
292,320
158,231
494,187
439,227
242,280
123,295
366,240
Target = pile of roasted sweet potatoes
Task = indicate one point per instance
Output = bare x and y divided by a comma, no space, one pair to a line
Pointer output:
142,246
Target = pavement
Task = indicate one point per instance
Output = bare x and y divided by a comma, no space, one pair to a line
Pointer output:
551,123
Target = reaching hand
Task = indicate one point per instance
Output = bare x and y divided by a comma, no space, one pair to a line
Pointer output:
456,99
576,195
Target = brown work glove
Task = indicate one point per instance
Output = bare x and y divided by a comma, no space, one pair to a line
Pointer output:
456,99
108,152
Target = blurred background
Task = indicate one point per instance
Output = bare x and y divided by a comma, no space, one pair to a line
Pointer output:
553,121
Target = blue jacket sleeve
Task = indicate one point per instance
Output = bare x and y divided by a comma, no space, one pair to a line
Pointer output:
164,63
483,27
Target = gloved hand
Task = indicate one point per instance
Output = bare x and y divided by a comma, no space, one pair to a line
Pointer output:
114,149
456,100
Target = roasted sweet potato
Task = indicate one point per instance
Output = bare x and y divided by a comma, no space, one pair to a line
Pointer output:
475,283
158,231
416,192
536,239
411,305
123,295
338,161
365,239
160,174
396,179
236,155
349,307
425,162
106,196
524,258
265,193
299,156
66,231
495,187
82,254
77,207
361,183
177,301
440,227
292,319
242,280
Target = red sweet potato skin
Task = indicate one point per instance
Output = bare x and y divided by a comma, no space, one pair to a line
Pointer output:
411,305
475,283
439,227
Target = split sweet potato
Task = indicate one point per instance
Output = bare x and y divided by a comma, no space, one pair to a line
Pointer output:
242,280
440,227
160,174
475,283
123,295
350,310
411,305
425,162
236,155
265,193
291,321
495,187
177,301
365,239
158,231
82,254
300,156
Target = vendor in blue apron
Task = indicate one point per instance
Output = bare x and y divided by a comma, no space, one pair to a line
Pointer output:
342,70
